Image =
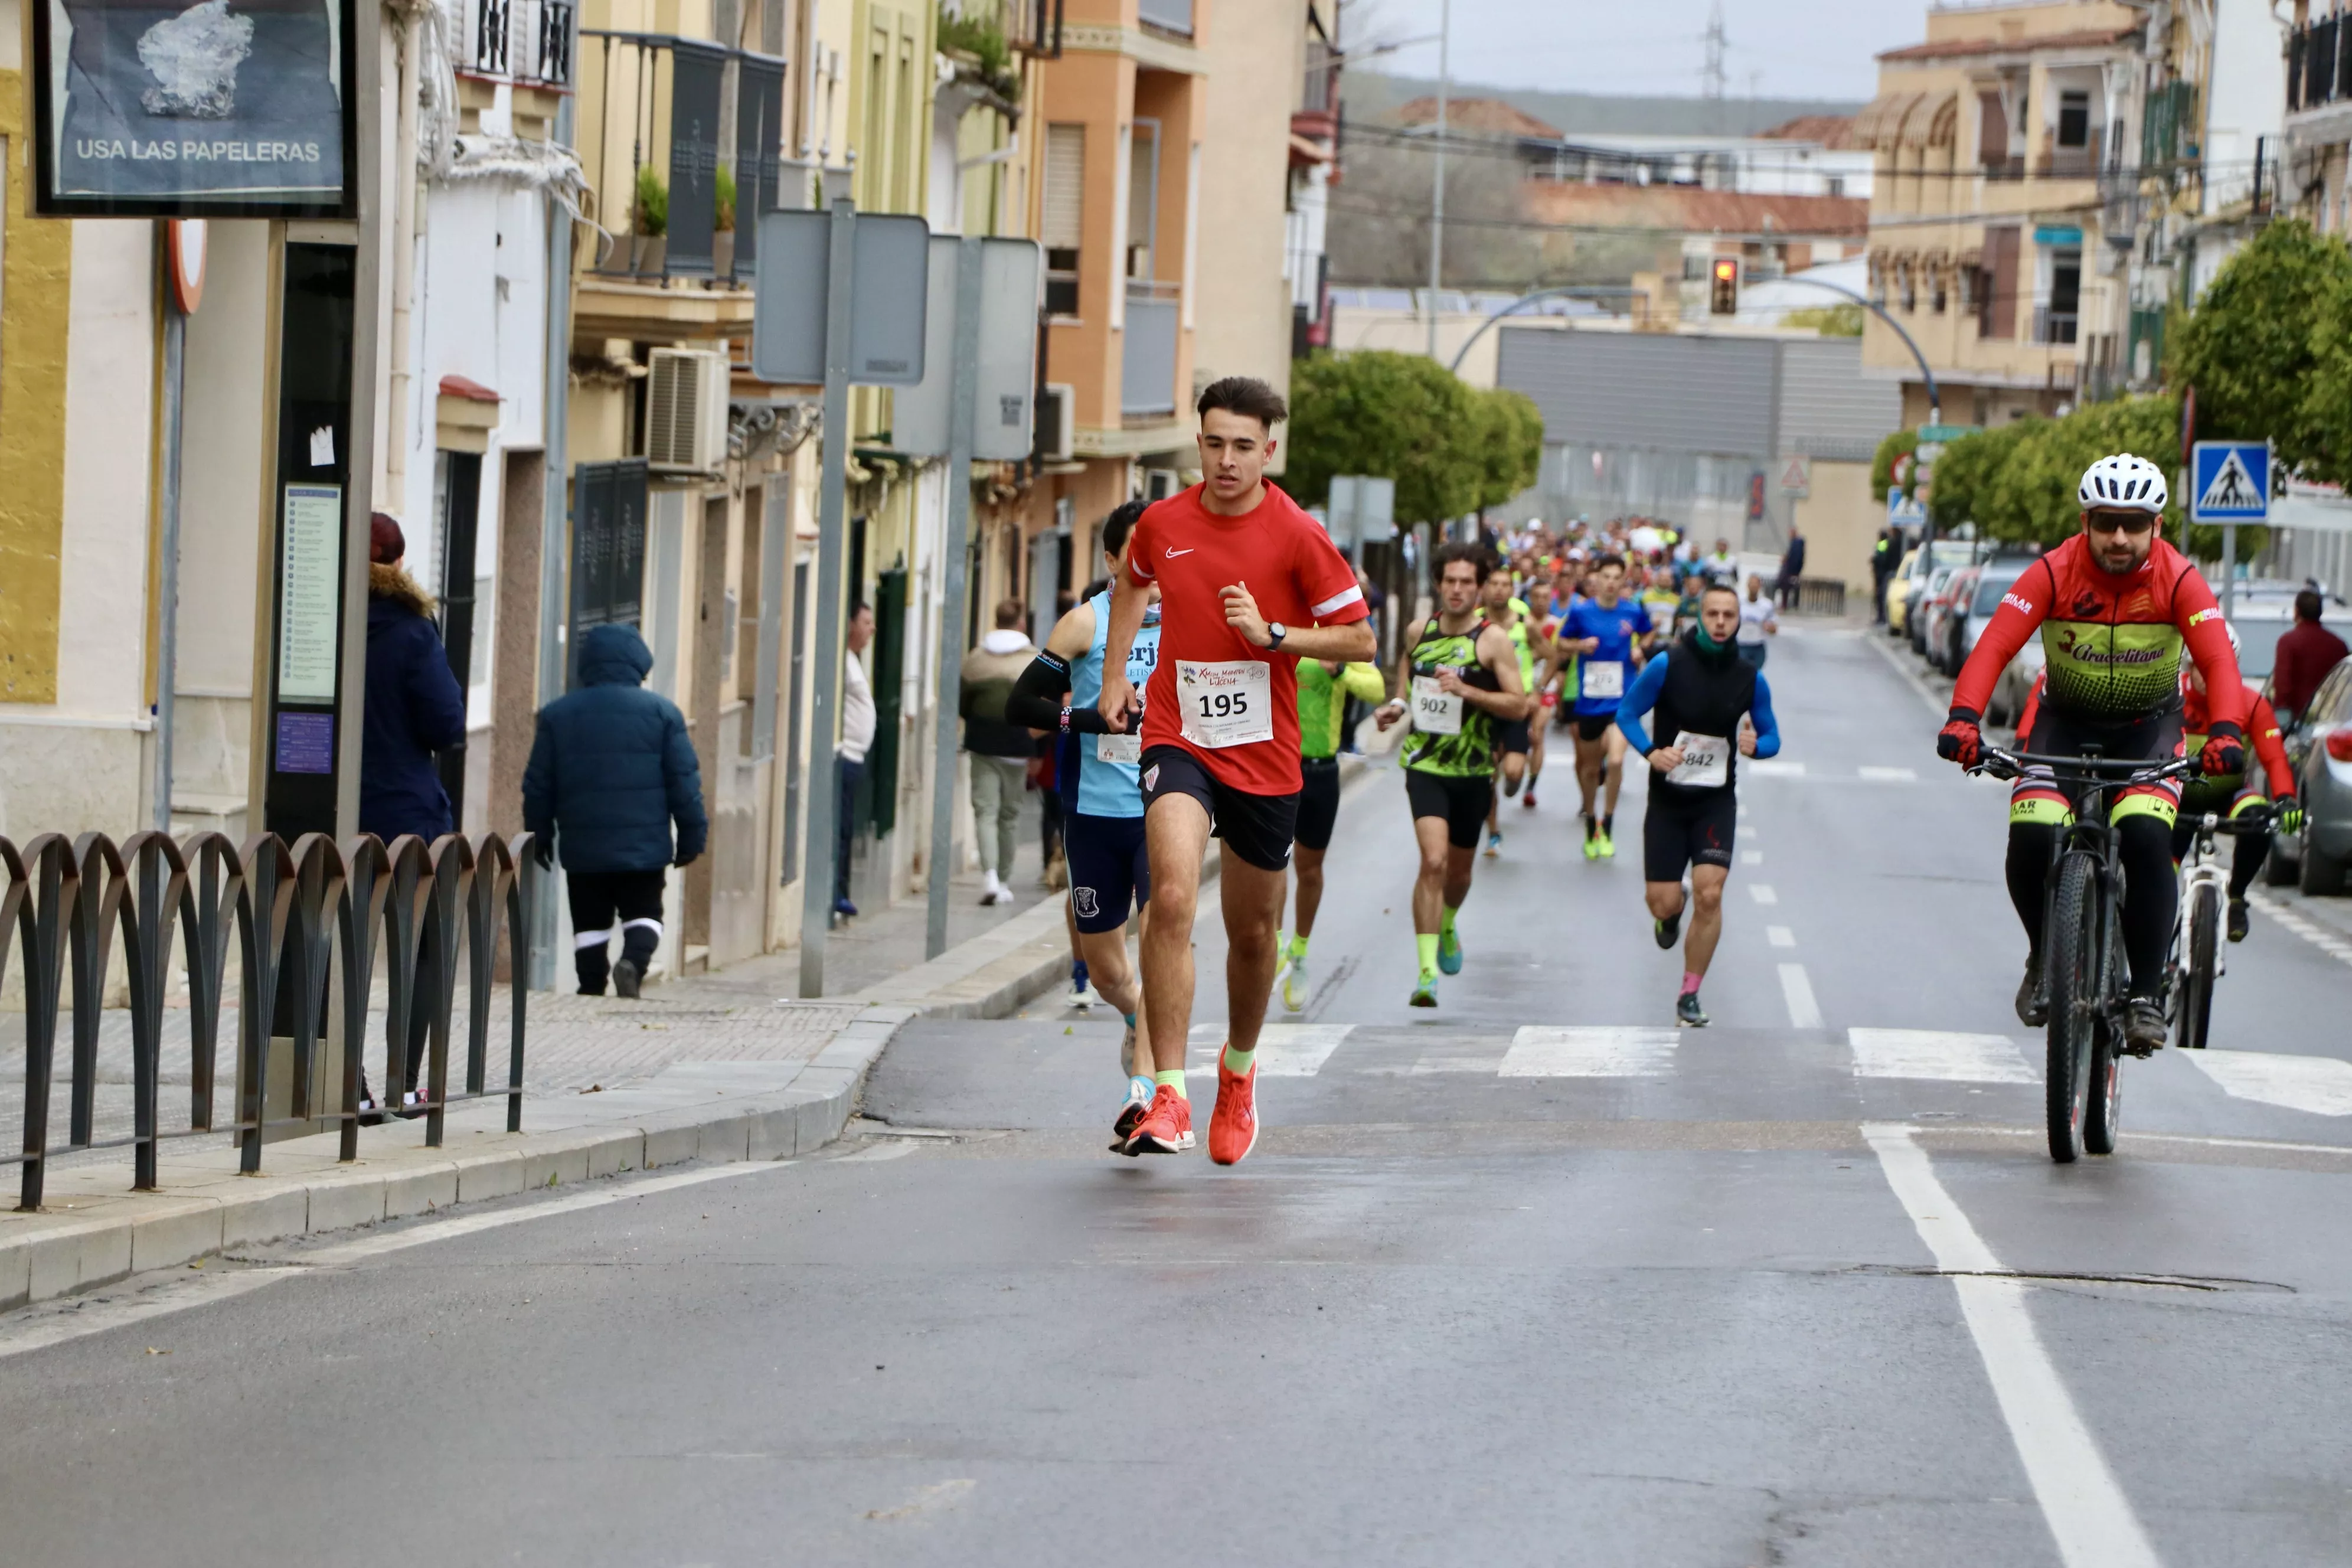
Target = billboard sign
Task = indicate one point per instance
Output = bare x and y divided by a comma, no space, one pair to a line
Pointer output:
216,109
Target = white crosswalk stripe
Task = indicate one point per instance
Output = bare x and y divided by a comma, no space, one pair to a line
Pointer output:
1889,775
1591,1053
2320,1085
1284,1050
1938,1054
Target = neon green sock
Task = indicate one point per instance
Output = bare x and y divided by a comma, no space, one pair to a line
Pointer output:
1428,945
1298,946
1240,1062
1173,1078
1446,923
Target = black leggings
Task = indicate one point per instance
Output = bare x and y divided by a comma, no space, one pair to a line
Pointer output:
2151,895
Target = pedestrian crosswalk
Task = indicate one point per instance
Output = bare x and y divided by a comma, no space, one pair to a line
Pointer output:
2316,1085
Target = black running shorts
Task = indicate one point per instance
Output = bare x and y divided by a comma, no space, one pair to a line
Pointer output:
1460,800
1318,802
1110,874
1514,737
1682,830
1258,827
1593,726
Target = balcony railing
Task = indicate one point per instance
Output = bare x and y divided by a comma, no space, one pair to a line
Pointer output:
1033,26
2316,71
1148,368
1168,16
2055,327
2079,163
525,41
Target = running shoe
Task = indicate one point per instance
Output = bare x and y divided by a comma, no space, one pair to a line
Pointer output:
1667,930
1607,846
1139,1105
1294,983
1233,1125
1424,994
1494,844
1527,800
1449,953
627,978
1688,1012
1166,1128
1592,847
2239,920
2032,1009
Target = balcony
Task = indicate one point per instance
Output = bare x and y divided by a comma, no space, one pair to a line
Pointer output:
2054,328
2072,162
1168,16
2316,73
1147,388
528,42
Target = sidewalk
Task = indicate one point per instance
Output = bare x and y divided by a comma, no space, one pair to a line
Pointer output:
729,1065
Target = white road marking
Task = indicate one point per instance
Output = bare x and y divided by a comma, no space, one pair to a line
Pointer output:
1772,768
1589,1053
1284,1050
1797,991
2320,1085
1889,775
1751,857
1780,936
1762,893
2334,944
1941,1054
83,1317
2088,1515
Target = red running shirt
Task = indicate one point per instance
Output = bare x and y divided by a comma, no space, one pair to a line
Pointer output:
1298,577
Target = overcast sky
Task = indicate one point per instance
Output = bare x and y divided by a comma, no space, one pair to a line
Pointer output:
1776,48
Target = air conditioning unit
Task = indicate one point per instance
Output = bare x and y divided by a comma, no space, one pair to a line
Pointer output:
1159,484
1057,423
685,411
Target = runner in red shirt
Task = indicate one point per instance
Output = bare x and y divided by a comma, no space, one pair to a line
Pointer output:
1249,584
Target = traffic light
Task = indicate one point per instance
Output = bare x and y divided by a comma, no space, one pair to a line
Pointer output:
1725,299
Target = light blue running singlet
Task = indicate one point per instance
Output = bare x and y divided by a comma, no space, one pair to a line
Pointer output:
1111,788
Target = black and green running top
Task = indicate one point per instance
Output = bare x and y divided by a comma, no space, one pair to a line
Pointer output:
1471,753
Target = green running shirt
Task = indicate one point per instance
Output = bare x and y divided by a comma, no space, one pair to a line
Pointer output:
1471,753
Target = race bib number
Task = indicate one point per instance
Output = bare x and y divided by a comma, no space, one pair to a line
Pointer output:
1125,750
1226,703
1435,711
1706,762
1603,677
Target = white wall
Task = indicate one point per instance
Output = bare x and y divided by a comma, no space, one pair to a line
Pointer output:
2246,99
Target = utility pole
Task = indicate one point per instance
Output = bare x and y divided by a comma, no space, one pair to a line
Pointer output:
1711,76
1437,193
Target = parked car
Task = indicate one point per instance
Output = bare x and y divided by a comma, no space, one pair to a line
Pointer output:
1909,590
2320,750
1898,592
1967,621
1945,607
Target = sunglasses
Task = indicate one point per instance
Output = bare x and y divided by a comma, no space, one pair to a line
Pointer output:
2119,521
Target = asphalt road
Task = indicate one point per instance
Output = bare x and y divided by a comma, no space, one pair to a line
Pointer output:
1533,1279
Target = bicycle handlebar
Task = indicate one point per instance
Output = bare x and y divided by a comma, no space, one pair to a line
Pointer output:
2121,772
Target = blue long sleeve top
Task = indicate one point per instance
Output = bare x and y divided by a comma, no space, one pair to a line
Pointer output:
1642,696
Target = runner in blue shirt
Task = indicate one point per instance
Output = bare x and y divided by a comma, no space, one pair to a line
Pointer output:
1110,875
1605,632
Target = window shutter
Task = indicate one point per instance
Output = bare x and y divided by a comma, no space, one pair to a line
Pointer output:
1066,186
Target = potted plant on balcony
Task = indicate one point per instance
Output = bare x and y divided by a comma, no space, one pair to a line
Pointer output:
649,226
722,227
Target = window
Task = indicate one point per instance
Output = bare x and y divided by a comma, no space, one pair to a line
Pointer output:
1835,186
1065,214
1143,198
2065,297
2074,118
1937,279
1905,286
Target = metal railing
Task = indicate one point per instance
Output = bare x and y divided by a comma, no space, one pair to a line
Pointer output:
525,41
2053,326
307,921
2316,72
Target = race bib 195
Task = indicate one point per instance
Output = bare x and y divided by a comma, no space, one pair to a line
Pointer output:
1227,702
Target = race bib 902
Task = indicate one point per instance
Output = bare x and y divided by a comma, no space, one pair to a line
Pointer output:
1435,711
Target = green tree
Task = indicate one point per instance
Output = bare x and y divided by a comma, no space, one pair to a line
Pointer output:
1897,443
1505,442
1393,415
1964,474
1829,320
2256,343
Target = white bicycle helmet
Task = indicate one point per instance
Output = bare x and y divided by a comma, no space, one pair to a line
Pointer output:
2122,483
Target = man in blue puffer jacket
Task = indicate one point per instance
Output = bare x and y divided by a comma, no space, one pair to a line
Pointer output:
611,769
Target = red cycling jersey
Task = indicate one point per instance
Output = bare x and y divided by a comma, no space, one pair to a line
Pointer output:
2113,641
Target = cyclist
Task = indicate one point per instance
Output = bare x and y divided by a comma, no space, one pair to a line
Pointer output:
1515,739
1702,690
1111,876
1460,683
1324,688
2115,605
1605,633
2235,795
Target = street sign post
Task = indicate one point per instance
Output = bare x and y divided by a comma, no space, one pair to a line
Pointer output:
2229,483
1363,509
845,297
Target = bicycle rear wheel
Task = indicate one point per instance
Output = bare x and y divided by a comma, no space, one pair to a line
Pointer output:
2071,972
2197,972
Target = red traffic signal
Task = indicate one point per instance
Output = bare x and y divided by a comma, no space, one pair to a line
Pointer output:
1725,300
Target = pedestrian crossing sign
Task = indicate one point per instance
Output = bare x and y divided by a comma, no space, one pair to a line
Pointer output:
2230,481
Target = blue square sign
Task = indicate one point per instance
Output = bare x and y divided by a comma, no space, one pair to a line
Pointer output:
2230,481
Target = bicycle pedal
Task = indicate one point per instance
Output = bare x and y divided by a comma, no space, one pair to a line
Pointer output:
2140,1049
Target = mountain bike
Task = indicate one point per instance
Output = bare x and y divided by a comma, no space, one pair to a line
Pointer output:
2084,974
2198,957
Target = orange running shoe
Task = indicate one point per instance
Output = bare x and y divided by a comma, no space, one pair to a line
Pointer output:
1166,1128
1232,1126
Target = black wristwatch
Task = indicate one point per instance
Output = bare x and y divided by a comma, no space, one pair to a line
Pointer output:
1275,631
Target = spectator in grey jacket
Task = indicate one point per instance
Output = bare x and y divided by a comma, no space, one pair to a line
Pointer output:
1000,750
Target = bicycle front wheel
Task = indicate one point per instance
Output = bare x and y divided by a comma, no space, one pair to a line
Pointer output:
2071,945
2197,973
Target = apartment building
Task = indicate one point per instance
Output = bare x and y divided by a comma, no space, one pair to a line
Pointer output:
1999,139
